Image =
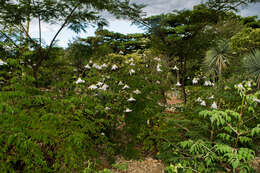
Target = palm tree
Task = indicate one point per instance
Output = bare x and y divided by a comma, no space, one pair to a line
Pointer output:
217,58
251,63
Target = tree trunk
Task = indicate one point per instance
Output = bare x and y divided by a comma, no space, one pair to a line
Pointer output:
35,75
183,80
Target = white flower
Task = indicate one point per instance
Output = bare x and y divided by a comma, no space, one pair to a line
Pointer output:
226,88
108,77
249,84
107,108
195,80
104,65
137,91
211,97
214,106
114,67
256,100
132,64
147,65
92,87
240,86
128,110
131,99
158,82
87,66
7,48
121,52
175,68
160,104
178,84
157,59
199,99
125,87
203,103
80,81
158,68
207,83
90,62
103,134
131,60
188,77
99,83
132,71
97,66
104,87
2,62
120,83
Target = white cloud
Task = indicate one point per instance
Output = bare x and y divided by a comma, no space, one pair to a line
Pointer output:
164,6
154,7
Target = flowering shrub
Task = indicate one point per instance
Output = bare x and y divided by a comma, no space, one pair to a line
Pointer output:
100,112
220,139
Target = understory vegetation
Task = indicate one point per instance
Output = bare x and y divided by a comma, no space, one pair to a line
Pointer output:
72,109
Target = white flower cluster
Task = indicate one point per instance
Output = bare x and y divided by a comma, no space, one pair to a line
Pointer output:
102,86
126,87
157,59
195,80
256,100
79,81
175,68
96,66
203,103
127,110
158,68
178,84
2,62
99,85
114,67
131,99
208,83
132,64
137,91
87,66
132,71
239,86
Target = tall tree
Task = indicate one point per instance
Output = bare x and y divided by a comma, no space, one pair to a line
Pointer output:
252,64
217,58
178,34
75,15
228,5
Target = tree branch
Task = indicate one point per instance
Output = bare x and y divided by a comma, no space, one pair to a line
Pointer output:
62,26
54,38
27,34
9,39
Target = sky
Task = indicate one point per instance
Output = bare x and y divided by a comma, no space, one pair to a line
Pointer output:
153,7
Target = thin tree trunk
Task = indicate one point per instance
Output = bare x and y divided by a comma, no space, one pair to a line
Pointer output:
45,56
183,80
35,75
27,29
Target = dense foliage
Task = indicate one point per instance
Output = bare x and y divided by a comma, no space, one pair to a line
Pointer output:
109,95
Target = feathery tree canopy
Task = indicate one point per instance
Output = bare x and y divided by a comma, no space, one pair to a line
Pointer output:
16,15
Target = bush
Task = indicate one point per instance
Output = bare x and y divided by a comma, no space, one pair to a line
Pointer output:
60,128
